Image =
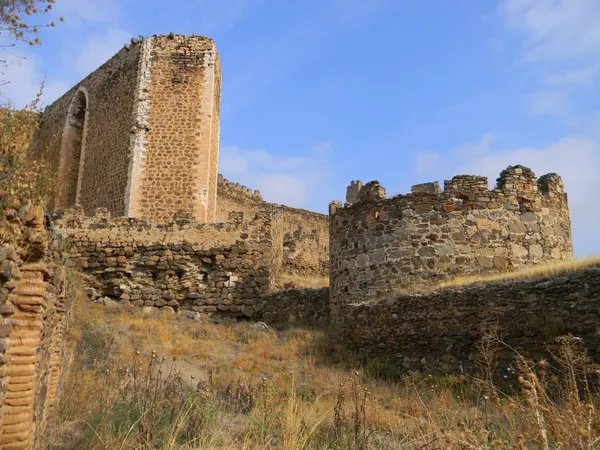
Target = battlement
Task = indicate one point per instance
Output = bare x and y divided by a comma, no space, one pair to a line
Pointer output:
379,245
237,189
515,181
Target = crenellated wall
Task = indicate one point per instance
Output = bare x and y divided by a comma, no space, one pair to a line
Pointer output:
305,234
379,246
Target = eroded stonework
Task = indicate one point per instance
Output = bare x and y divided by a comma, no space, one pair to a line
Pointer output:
140,135
379,246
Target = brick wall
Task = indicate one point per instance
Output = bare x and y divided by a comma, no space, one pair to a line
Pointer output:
380,246
33,323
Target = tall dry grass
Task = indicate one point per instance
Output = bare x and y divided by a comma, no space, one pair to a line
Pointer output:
538,271
157,381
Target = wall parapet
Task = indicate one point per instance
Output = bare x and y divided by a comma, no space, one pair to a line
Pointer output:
381,245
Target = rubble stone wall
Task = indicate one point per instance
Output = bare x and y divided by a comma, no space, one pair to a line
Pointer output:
199,268
178,161
33,322
305,234
305,307
109,94
379,246
439,331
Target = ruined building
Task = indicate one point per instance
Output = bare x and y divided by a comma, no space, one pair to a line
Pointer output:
140,135
139,138
380,246
151,224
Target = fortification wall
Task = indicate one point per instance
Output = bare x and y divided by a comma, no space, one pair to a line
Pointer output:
182,266
33,322
86,134
178,160
439,331
293,307
140,135
305,234
380,246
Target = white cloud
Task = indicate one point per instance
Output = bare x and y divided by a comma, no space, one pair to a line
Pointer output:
290,180
585,76
575,159
549,102
99,48
555,28
24,78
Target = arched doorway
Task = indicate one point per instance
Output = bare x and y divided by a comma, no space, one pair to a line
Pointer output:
73,142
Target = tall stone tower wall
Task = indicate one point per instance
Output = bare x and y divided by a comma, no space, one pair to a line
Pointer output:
140,135
379,246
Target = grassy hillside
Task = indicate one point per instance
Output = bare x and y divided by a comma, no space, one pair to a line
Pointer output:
147,380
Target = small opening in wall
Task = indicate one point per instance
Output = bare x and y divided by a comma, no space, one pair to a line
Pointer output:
376,215
458,201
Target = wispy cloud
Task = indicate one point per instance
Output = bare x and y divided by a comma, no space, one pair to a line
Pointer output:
555,28
292,180
98,48
550,103
585,76
82,12
576,159
23,78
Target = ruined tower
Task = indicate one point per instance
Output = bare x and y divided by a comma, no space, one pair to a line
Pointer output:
379,245
140,135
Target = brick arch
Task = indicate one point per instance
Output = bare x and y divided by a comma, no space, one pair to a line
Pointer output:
72,150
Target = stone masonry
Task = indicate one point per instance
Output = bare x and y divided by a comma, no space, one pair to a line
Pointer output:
440,331
140,135
379,246
182,266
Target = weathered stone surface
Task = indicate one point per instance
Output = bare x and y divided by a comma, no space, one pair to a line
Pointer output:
449,323
467,228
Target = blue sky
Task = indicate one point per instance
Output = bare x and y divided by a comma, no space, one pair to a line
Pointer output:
320,92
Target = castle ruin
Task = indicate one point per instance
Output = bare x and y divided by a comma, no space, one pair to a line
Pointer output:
151,224
382,246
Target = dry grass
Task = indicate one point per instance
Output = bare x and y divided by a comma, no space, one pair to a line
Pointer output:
537,271
157,381
304,282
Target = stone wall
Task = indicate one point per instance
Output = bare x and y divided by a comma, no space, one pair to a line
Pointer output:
305,234
106,97
33,322
379,246
178,163
181,266
152,110
439,331
305,307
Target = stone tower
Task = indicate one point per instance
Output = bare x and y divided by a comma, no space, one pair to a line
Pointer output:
140,135
380,246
